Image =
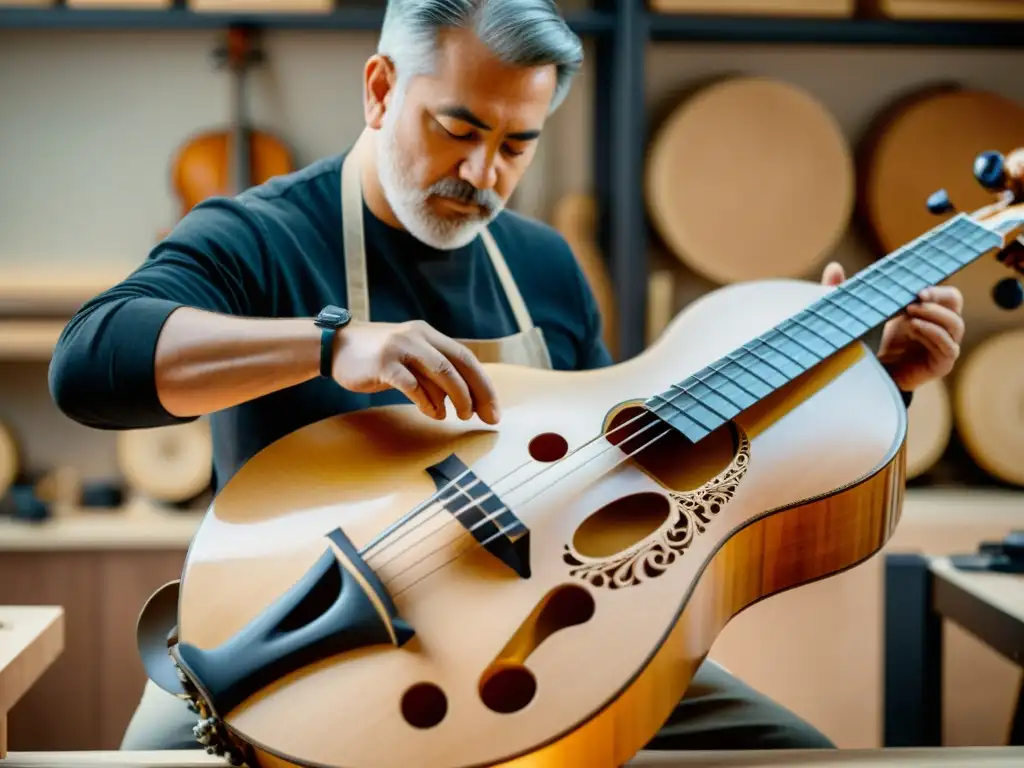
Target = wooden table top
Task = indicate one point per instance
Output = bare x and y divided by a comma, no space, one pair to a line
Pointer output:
31,638
969,757
1004,591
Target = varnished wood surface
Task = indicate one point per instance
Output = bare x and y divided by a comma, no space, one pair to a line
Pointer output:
86,697
965,757
31,637
1004,591
820,491
142,528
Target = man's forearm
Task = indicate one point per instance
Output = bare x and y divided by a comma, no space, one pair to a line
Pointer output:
206,362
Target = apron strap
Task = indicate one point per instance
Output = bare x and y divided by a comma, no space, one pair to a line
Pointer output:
515,299
355,246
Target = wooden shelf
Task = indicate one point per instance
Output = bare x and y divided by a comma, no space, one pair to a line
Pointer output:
833,31
662,26
178,18
29,339
138,525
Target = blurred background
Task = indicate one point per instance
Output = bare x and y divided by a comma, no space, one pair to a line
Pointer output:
706,142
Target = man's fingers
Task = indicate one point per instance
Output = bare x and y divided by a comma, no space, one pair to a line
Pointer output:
481,389
833,274
435,367
401,378
935,338
941,315
948,296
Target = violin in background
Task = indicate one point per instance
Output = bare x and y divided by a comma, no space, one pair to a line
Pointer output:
229,161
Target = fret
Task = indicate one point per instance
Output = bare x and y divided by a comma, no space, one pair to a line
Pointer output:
834,310
717,408
711,394
836,333
893,289
805,335
729,387
772,373
876,299
694,421
848,301
799,356
746,378
748,374
933,275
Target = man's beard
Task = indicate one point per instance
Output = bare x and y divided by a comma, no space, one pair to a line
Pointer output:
411,204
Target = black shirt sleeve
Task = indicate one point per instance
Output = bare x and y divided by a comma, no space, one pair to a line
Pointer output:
102,370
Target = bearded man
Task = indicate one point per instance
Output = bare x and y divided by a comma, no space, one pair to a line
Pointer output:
386,275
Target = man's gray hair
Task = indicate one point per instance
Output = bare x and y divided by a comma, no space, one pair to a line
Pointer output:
524,33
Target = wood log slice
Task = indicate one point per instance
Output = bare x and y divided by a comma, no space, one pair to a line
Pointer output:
925,141
989,406
575,216
10,462
167,464
929,426
750,178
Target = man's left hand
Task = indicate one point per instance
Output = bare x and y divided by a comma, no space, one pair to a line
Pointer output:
922,343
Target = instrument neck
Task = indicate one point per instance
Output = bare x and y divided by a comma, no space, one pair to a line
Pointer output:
711,397
241,174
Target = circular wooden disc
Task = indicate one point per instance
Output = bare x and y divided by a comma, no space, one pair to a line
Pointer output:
170,464
9,460
925,142
929,426
750,178
989,406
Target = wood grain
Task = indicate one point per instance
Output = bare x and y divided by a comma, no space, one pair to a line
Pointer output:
31,637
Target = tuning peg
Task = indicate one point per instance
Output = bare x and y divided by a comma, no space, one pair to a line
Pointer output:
938,202
990,170
1008,293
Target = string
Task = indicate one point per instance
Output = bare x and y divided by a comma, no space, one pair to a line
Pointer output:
502,531
404,521
488,517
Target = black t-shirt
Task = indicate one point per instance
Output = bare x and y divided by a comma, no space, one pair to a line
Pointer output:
276,251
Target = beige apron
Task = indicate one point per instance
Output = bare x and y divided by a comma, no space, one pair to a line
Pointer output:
524,348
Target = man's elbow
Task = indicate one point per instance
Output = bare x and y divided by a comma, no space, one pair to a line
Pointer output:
69,379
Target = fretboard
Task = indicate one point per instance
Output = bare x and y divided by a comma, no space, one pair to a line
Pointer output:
709,398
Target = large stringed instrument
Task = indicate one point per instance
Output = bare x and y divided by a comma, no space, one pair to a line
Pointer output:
382,589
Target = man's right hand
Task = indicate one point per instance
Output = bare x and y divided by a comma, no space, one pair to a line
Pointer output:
419,361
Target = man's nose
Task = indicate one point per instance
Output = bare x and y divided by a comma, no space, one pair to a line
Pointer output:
480,168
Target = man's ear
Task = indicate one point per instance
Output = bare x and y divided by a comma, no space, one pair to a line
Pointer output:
379,81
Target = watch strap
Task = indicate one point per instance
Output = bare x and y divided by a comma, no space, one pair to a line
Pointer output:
327,350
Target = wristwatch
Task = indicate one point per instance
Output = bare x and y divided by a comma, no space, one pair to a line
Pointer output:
331,319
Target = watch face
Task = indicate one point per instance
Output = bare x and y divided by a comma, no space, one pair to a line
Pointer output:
333,316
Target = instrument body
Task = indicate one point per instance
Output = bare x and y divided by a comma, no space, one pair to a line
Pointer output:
226,162
382,589
805,490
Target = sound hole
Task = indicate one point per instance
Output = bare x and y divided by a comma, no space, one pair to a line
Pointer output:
548,447
424,705
509,689
621,524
